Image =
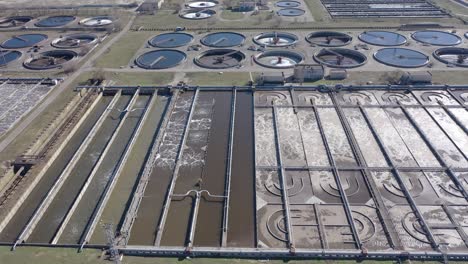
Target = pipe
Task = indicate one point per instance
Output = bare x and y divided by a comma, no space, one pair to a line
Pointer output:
175,173
227,188
284,190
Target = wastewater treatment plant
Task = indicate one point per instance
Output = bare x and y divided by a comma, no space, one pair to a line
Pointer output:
265,131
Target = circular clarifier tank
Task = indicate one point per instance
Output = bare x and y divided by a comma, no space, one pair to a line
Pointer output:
329,39
14,21
287,4
220,59
340,58
98,21
202,4
49,59
200,14
223,39
160,59
402,58
74,41
291,12
7,56
171,40
275,39
436,38
279,59
55,21
23,41
383,38
452,56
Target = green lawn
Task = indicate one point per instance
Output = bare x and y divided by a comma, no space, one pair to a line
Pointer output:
133,78
215,78
168,19
37,255
121,52
317,10
228,14
451,7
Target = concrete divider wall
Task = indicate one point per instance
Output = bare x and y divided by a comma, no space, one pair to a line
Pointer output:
42,140
93,172
44,169
58,121
6,181
110,187
39,212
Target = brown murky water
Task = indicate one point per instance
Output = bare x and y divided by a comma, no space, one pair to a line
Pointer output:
203,167
317,210
241,227
123,191
144,228
54,215
210,217
76,226
20,219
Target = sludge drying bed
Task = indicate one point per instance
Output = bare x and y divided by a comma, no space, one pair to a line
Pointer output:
307,171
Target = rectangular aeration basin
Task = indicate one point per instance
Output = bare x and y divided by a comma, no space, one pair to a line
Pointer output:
269,170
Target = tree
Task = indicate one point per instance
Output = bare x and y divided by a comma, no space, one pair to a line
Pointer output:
99,75
84,50
277,22
228,4
70,67
391,77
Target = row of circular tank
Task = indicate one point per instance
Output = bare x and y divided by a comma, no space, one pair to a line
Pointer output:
289,8
199,10
65,42
221,57
281,59
55,21
43,61
48,59
322,38
384,38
